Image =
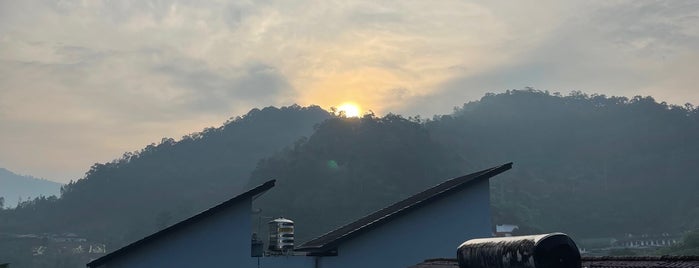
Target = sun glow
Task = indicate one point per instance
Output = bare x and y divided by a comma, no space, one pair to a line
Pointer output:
348,109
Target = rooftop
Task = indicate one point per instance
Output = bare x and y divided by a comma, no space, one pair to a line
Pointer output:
180,225
330,240
599,262
641,262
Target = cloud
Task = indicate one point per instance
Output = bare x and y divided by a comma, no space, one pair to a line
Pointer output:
110,76
625,48
218,91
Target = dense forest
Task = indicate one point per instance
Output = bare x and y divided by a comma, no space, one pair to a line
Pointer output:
141,192
589,165
350,167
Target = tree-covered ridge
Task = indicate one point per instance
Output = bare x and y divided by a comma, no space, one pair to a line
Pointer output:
586,164
350,167
589,165
134,195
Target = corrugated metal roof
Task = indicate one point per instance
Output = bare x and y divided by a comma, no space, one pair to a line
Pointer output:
641,262
599,262
178,226
330,240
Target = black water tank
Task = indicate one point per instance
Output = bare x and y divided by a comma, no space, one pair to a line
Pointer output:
554,250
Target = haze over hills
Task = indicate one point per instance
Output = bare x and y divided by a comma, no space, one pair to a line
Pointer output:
586,165
140,192
590,165
14,187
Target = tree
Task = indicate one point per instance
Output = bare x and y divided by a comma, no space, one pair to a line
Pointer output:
688,247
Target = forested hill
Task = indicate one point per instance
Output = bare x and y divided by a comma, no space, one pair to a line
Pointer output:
14,188
587,165
132,196
350,167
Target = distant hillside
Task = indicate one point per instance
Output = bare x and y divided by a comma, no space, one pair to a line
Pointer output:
589,165
585,164
350,167
163,183
14,187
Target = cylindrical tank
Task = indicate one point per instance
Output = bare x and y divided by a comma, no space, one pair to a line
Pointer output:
281,235
555,250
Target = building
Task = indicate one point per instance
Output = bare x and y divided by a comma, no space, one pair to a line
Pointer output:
502,230
647,241
217,237
430,223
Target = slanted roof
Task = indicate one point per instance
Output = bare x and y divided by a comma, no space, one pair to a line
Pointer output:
180,225
330,240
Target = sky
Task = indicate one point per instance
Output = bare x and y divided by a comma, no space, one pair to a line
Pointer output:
82,82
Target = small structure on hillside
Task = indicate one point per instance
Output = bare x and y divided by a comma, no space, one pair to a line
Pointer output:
504,230
647,240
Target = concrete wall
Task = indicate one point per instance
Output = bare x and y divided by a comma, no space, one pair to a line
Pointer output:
432,231
220,240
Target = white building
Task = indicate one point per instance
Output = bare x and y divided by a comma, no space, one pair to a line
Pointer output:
431,223
505,229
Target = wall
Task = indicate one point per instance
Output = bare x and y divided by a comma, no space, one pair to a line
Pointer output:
432,231
220,240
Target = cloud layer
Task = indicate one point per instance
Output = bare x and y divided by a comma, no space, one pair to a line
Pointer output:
83,81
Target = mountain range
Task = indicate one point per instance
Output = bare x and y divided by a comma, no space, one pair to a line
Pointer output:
15,188
587,165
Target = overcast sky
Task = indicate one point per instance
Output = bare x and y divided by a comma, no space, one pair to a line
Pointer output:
85,81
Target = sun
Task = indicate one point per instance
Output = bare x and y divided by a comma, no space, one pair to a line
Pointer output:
349,109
